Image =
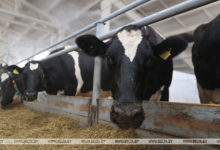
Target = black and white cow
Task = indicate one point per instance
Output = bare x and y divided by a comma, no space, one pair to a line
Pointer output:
3,69
11,83
72,72
206,61
137,63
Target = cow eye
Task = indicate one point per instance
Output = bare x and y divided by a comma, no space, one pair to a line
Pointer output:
149,62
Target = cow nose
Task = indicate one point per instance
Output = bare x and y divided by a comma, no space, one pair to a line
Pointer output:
3,105
30,93
30,96
127,115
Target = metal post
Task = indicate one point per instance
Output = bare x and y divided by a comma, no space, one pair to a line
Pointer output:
93,108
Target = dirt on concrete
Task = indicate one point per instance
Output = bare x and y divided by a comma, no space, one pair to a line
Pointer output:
18,121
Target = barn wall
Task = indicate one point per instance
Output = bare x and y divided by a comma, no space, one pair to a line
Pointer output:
183,88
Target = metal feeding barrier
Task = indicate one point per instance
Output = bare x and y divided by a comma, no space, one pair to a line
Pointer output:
91,107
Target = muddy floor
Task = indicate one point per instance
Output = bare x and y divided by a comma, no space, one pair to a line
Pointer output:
17,121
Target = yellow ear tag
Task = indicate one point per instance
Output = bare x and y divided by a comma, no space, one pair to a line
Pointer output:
165,54
15,71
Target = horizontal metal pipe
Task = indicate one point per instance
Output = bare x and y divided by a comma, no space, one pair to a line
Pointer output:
174,10
92,25
166,13
123,10
70,49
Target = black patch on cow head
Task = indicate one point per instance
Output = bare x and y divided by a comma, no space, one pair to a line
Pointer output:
14,71
91,45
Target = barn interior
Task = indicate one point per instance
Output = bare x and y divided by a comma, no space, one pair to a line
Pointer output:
28,26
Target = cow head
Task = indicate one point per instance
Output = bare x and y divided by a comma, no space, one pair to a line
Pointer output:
5,79
14,70
3,69
33,76
130,55
9,80
10,72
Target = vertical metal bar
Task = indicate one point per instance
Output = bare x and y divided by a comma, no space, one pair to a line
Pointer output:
97,69
93,108
96,80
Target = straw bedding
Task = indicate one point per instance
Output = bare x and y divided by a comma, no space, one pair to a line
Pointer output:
17,121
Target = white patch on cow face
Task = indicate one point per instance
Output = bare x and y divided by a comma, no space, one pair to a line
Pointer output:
60,92
130,41
34,66
78,75
3,64
4,76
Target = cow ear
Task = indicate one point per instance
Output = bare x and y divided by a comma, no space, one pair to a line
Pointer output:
15,69
91,45
171,47
20,70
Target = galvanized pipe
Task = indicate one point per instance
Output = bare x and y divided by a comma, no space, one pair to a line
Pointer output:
96,80
70,49
166,13
97,69
92,25
93,113
177,9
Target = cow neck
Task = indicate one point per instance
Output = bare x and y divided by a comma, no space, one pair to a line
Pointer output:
43,78
15,87
14,83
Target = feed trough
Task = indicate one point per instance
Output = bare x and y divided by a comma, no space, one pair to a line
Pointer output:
162,119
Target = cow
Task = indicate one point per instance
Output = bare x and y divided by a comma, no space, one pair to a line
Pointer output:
206,60
138,63
11,83
3,68
72,72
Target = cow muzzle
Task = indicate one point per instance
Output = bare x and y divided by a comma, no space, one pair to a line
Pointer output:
3,105
127,115
30,96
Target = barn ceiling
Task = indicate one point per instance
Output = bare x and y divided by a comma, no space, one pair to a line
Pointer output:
26,26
